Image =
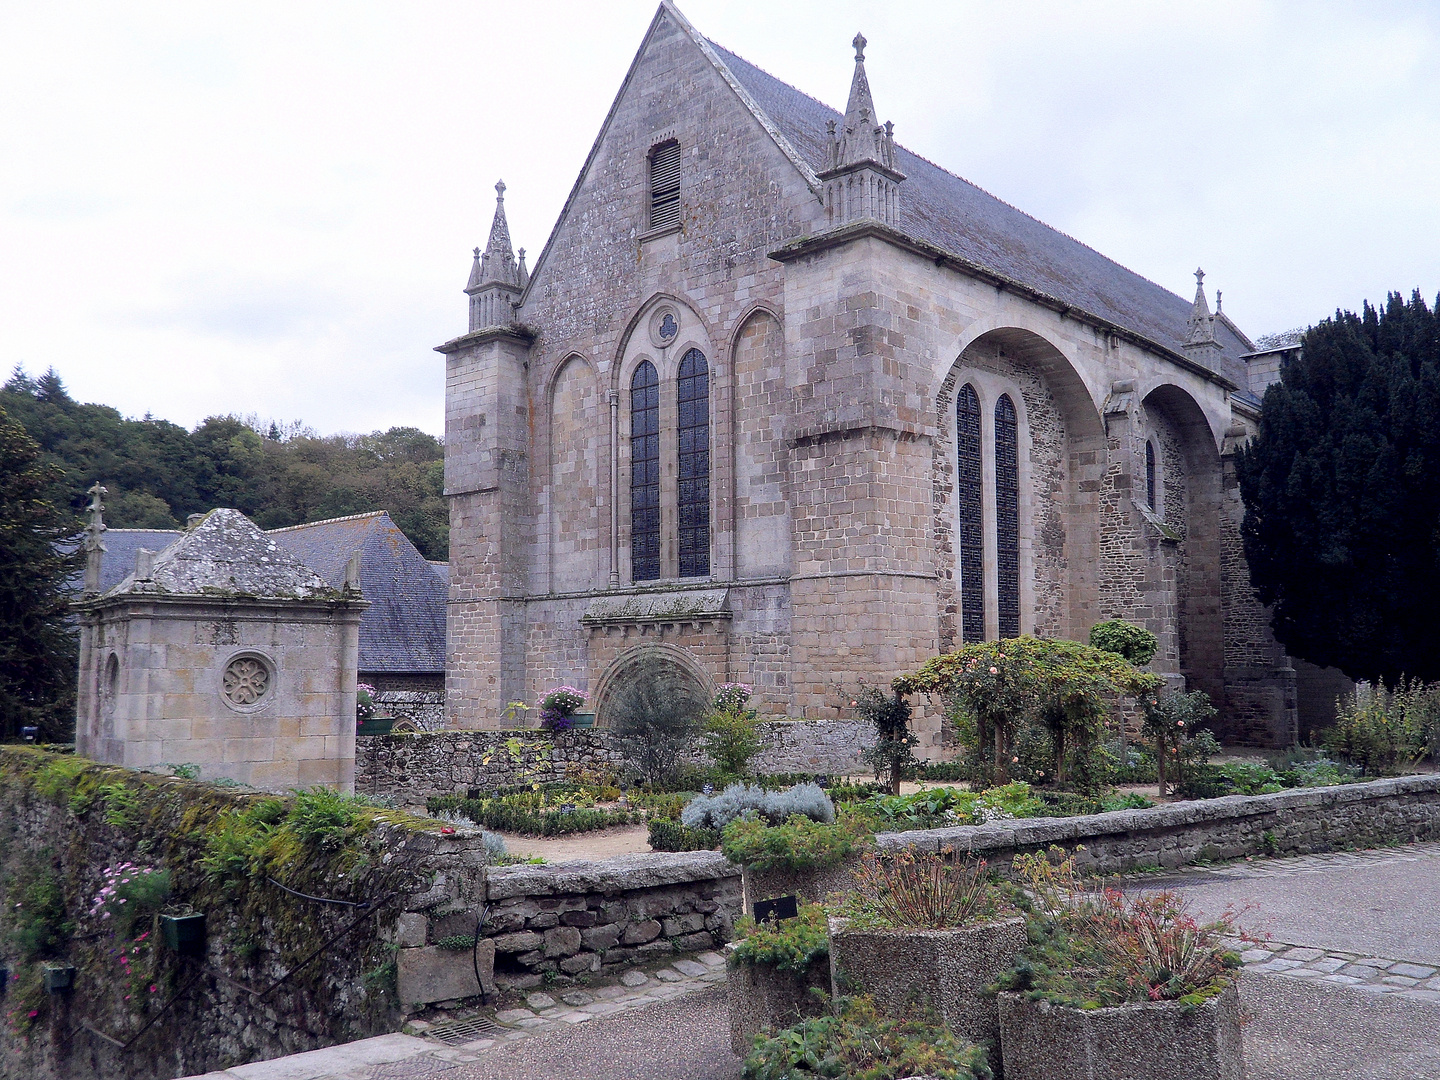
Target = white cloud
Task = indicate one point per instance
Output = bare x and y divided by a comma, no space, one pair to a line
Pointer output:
269,208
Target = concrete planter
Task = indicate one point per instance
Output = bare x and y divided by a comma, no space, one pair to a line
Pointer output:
764,998
808,886
944,970
1150,1040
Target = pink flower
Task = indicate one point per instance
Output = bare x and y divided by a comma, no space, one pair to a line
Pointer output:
154,989
994,671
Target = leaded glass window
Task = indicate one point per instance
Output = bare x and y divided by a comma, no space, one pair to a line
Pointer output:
968,500
1007,516
693,402
1150,475
645,473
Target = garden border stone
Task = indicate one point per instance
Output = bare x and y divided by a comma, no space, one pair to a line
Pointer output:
761,997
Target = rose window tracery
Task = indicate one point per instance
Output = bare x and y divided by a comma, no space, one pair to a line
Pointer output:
246,680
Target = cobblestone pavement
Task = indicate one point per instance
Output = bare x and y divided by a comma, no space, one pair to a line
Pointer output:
1375,974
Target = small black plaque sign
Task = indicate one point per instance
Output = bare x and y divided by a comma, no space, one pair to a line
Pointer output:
782,907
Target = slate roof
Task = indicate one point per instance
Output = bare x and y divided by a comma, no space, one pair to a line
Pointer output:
953,214
120,548
226,553
404,629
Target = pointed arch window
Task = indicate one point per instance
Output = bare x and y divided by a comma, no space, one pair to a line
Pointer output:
968,500
665,185
1007,516
693,496
645,473
1150,474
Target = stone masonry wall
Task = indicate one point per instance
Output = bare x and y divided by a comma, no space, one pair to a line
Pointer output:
1402,810
413,768
571,919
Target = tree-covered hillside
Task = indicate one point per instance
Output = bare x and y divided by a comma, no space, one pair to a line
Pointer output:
158,473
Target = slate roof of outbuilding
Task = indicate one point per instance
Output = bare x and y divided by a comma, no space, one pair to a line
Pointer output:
404,629
121,546
226,554
956,216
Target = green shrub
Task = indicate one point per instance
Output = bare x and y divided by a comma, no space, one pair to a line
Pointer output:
1386,731
1093,947
893,755
848,792
927,809
907,890
36,920
1130,800
860,1043
1133,764
799,844
510,813
1174,725
1136,644
731,733
666,835
322,818
787,945
129,894
942,772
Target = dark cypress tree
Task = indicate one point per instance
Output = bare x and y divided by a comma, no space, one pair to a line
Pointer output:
1342,494
38,555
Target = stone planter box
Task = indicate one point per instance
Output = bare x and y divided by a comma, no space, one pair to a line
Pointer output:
944,970
764,998
807,886
1150,1040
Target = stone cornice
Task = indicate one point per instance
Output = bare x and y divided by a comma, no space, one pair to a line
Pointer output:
859,230
517,332
169,605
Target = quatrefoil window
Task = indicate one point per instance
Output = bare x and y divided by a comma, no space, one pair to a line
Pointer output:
668,327
247,681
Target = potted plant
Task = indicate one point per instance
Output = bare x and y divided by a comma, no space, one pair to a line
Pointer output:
926,932
366,706
1130,983
559,710
798,857
777,974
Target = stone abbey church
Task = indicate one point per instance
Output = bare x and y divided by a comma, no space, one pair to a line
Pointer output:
784,403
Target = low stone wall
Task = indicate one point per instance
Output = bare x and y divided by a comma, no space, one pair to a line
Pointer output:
413,768
1303,821
566,920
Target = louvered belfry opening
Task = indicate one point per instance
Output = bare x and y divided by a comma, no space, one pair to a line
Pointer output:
665,185
645,473
1007,516
968,498
693,401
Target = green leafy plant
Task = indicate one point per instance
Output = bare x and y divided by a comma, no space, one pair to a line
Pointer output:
893,755
1062,688
1173,722
532,813
860,1043
36,921
655,717
1386,731
731,736
788,944
1136,644
1092,947
128,894
456,942
322,818
925,891
666,835
798,844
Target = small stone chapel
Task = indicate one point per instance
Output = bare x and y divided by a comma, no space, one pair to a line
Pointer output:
782,402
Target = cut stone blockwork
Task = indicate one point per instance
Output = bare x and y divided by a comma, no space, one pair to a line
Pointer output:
224,651
925,418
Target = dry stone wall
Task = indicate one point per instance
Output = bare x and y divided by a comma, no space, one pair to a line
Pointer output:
1304,821
413,768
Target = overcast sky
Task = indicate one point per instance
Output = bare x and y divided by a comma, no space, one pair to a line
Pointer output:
269,208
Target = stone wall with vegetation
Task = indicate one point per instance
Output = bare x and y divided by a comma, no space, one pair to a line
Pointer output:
279,973
413,768
1300,821
554,923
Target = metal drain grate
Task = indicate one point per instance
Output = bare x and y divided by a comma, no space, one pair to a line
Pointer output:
459,1032
427,1068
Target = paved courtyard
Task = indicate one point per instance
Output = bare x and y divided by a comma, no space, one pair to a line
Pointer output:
1347,986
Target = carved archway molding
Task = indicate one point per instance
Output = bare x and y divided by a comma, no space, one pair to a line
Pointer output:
632,661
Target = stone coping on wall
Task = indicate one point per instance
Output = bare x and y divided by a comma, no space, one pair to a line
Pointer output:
622,873
1198,816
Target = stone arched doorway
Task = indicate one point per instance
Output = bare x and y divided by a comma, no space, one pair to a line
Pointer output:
651,676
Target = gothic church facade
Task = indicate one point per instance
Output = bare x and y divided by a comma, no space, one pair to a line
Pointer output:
783,403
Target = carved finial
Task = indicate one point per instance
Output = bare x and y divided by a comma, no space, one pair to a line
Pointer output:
1218,295
1199,276
96,508
94,545
859,44
477,252
500,190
